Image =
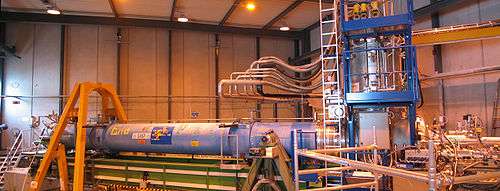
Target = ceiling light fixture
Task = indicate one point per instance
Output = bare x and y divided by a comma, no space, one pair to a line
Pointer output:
284,28
250,6
51,7
284,25
53,11
182,18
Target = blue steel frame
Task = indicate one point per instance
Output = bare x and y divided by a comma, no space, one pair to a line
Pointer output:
404,98
300,143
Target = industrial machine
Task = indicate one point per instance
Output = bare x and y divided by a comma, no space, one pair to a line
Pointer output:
365,134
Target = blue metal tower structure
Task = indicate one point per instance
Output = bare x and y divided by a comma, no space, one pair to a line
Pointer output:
364,29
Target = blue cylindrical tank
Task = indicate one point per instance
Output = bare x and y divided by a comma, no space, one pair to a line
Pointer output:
194,138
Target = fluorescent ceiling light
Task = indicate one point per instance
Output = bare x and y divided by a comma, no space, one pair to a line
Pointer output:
53,11
284,28
182,19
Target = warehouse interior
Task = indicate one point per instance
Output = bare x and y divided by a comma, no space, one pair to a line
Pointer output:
315,95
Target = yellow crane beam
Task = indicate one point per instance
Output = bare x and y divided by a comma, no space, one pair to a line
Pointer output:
452,35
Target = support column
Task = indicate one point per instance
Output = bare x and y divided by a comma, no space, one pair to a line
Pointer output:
258,106
217,52
3,30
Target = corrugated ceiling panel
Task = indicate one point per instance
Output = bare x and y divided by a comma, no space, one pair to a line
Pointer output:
264,12
91,6
149,8
301,17
209,11
26,4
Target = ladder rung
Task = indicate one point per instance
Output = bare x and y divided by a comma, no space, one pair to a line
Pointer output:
328,33
328,21
330,58
331,83
329,45
332,120
336,134
326,10
330,70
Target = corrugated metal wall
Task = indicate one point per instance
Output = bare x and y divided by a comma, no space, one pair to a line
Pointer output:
37,74
92,53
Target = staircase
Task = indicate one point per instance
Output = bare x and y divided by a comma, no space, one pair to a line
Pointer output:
333,106
496,115
11,158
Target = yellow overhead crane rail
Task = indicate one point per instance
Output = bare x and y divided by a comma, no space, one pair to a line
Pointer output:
55,150
460,33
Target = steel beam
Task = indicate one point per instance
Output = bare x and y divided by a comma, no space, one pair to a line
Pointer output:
451,36
172,11
282,14
229,12
96,20
62,59
113,8
3,31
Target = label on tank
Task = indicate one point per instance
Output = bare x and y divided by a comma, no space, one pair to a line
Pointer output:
141,135
162,135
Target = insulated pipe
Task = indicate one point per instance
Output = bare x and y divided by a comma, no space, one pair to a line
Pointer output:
257,82
278,62
281,81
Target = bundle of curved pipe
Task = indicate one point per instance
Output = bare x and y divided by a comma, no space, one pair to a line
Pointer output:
270,72
297,82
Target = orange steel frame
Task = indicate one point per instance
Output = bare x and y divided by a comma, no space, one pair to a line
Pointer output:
56,151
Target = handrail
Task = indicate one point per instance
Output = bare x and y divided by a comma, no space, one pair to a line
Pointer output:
10,155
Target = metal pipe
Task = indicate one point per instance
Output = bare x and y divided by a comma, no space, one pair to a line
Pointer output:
314,171
473,178
432,166
348,149
462,73
296,160
366,166
343,187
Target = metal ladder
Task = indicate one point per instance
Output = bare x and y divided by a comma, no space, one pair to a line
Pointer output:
496,115
11,158
332,93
